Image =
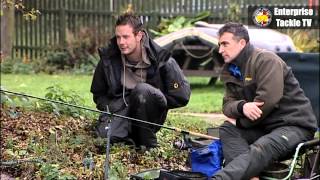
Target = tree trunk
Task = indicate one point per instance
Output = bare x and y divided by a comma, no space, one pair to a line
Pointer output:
7,30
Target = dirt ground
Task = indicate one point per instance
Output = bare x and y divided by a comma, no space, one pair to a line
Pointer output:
214,118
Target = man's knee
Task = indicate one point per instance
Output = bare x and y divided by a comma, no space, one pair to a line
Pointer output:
232,143
144,93
227,130
270,148
260,152
141,92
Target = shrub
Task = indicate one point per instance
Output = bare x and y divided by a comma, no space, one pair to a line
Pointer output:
305,41
57,93
22,68
82,49
11,105
234,11
79,54
167,26
58,59
17,66
87,68
7,66
51,171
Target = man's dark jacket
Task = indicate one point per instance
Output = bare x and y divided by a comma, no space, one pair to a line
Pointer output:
163,73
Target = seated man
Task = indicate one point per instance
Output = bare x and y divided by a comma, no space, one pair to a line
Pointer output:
136,78
268,113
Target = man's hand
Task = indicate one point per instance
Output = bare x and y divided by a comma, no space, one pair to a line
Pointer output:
252,110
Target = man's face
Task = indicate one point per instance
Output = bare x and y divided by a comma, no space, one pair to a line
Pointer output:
230,47
128,42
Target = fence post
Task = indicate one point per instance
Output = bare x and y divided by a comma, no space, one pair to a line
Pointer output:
62,28
7,30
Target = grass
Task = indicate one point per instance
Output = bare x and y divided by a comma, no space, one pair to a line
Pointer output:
204,98
36,84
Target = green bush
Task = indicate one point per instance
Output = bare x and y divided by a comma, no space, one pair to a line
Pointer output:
22,68
56,93
51,171
78,56
58,59
12,102
118,170
7,66
234,11
167,26
17,66
54,61
305,41
88,67
82,49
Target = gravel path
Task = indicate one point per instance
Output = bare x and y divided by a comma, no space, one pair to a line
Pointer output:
214,118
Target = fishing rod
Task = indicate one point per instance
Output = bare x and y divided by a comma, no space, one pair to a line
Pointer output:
114,115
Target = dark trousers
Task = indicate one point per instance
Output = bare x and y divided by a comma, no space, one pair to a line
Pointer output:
145,103
148,104
248,151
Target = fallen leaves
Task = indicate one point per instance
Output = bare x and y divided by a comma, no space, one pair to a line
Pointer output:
68,142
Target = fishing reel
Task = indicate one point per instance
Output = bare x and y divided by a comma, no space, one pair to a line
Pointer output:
184,143
187,142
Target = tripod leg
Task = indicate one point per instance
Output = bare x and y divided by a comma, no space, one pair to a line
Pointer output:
108,129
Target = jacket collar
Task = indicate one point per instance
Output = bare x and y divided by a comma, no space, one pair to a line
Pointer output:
244,55
146,48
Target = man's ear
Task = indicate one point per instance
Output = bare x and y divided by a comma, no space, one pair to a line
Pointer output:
139,35
243,43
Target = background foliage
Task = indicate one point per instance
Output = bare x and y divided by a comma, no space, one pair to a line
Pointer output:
305,41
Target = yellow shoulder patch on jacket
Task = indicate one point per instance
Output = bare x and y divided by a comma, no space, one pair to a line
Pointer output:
248,78
175,85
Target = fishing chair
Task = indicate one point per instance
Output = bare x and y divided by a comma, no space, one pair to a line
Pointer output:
304,163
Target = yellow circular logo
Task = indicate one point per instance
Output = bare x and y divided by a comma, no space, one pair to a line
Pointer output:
262,17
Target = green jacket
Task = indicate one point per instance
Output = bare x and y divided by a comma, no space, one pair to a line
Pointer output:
266,78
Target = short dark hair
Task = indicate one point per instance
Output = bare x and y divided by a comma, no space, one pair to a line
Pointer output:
237,29
131,19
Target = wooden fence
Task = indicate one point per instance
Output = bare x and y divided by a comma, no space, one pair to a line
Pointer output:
58,17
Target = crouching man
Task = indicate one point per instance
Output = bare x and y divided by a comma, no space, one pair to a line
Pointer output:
136,78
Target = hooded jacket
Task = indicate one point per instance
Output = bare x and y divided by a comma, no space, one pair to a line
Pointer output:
266,78
163,73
